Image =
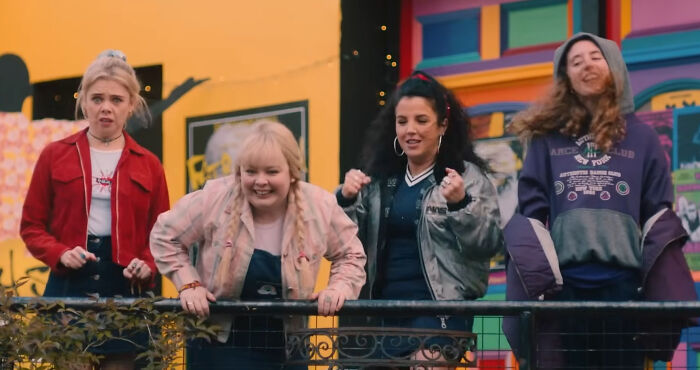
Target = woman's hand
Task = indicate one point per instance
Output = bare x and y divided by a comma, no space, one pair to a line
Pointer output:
137,270
76,258
329,301
355,180
452,186
196,300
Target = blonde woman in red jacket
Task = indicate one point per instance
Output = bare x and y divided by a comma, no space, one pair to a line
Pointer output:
94,197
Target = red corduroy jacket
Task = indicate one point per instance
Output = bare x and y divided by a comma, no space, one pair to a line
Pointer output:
55,212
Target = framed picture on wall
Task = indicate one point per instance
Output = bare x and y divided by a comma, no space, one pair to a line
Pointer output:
686,183
686,138
214,140
662,123
504,156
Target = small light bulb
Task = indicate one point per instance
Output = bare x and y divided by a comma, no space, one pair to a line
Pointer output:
75,95
355,53
382,93
147,88
388,57
393,64
383,28
382,102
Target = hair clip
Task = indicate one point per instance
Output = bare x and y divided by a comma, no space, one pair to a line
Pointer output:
113,54
447,106
421,76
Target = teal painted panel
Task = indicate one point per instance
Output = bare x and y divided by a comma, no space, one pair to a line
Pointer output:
449,60
645,96
494,297
674,45
490,337
577,10
489,328
537,25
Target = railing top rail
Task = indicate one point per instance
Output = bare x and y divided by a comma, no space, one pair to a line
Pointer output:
409,308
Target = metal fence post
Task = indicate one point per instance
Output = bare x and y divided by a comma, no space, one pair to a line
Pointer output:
527,345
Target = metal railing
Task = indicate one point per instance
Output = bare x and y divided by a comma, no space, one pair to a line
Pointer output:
326,344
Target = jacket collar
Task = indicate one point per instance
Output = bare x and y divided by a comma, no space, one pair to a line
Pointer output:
80,138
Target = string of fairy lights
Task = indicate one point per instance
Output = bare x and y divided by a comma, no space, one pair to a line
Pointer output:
328,62
391,63
388,60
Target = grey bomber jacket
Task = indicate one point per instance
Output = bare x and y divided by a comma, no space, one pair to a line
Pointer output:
455,244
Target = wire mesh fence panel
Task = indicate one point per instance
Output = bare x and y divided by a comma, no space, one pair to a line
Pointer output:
455,335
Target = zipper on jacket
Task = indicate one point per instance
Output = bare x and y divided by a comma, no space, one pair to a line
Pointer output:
517,271
116,213
420,246
386,197
87,211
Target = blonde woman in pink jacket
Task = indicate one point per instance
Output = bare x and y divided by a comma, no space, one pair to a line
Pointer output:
260,235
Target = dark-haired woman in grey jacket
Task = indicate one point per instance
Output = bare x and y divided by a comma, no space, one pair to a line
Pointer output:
427,214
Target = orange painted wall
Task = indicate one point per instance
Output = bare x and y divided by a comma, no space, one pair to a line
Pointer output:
256,53
522,91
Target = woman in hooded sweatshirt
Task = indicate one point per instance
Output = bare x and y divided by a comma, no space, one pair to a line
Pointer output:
593,175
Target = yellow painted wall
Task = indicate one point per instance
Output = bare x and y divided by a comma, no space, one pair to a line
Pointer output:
257,53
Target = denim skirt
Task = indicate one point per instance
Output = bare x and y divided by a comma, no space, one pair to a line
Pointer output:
104,278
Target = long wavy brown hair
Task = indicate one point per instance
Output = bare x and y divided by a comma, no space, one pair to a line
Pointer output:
562,110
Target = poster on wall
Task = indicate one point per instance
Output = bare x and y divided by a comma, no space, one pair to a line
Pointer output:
505,159
686,138
662,123
686,183
214,140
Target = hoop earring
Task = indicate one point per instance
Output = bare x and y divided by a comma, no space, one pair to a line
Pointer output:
439,143
396,139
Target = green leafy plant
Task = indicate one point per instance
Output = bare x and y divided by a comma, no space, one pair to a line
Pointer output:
52,335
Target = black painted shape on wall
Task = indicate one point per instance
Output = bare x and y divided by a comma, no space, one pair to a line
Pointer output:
55,99
14,83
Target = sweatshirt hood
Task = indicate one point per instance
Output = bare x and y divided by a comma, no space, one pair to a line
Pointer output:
613,56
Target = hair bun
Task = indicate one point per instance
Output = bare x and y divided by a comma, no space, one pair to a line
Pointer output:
113,54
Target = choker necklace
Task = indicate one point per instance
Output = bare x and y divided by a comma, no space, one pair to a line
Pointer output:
105,141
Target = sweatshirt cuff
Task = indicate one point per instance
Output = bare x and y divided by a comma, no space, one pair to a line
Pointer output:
451,207
343,201
55,261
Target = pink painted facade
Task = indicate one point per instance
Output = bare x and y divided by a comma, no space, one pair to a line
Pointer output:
662,51
649,15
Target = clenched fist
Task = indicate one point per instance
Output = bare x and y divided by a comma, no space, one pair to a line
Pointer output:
452,186
355,180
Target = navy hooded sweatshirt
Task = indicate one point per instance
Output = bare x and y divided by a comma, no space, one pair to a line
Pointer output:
595,202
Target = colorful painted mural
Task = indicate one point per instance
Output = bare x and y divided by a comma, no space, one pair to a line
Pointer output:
507,59
494,54
21,142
